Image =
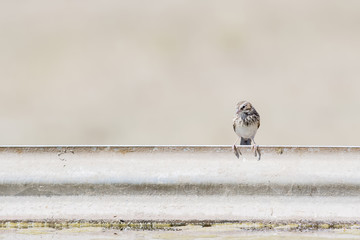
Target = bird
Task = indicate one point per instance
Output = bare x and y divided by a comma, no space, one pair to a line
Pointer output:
246,123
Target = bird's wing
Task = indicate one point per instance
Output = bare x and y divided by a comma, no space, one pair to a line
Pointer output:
234,126
258,124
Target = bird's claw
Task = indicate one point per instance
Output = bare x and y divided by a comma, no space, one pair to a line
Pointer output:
258,154
236,151
256,151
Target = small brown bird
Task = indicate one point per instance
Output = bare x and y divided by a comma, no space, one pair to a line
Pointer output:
245,124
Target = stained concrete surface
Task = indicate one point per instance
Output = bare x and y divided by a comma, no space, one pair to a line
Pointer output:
225,232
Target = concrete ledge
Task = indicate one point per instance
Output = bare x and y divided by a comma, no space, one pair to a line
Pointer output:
166,183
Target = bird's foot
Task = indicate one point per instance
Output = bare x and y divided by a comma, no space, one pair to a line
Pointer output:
256,150
254,147
236,151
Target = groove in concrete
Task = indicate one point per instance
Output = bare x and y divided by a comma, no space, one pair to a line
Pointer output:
179,189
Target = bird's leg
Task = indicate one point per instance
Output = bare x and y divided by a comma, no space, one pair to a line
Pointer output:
256,149
254,146
236,151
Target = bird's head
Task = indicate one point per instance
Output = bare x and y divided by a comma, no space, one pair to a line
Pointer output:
243,107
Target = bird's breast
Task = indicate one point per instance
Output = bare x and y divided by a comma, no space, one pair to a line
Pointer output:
246,131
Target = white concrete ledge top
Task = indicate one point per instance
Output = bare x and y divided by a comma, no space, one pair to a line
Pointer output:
179,165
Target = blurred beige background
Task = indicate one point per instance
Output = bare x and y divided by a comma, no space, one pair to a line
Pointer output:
171,72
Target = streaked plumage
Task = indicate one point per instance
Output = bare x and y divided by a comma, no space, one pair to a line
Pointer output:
246,124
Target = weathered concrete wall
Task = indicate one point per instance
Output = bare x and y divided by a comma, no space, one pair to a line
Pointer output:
183,183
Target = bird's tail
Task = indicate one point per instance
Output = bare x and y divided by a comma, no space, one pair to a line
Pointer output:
245,141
